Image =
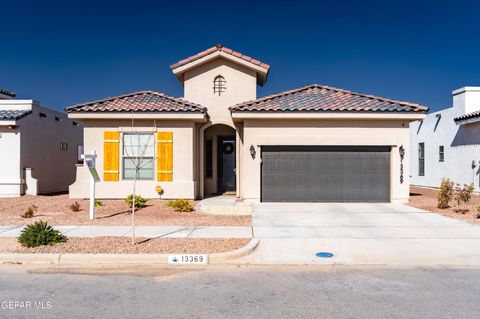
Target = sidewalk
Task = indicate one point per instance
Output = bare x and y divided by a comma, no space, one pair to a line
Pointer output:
143,231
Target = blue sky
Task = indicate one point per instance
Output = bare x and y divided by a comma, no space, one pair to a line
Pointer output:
67,52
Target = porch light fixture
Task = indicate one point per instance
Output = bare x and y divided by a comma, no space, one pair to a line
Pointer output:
252,151
401,151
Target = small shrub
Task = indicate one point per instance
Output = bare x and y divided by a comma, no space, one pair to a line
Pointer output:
98,203
40,234
30,212
478,216
140,202
463,194
75,207
180,205
445,193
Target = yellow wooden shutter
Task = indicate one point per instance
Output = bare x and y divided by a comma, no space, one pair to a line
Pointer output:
111,156
165,156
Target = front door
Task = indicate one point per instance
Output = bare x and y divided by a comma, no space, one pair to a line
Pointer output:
226,164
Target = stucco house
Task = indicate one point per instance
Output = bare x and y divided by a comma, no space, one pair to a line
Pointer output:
314,143
38,148
447,143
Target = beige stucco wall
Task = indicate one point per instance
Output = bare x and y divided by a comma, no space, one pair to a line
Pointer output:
241,84
183,184
324,132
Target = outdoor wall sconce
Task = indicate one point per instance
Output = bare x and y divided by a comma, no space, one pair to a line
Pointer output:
473,164
401,151
252,151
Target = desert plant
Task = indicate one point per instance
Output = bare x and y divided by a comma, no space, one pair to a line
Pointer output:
445,193
40,233
98,203
180,205
463,194
75,207
140,202
30,212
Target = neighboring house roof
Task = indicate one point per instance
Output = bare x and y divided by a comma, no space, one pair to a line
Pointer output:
143,101
7,92
13,114
219,48
320,98
467,118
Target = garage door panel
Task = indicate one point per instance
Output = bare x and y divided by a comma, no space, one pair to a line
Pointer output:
325,174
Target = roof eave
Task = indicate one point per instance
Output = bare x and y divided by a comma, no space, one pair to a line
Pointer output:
195,116
407,116
261,71
8,122
460,121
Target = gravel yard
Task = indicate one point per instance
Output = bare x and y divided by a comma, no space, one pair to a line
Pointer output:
55,210
123,245
426,199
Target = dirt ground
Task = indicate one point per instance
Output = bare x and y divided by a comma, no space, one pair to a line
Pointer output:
55,210
425,198
123,245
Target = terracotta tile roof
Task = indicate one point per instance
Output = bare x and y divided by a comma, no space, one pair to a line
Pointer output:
221,48
13,114
320,98
467,117
7,92
143,101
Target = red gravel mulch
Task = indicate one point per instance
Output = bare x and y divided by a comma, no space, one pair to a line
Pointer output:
55,210
123,245
425,198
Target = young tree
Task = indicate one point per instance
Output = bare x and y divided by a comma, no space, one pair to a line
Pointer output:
136,157
463,194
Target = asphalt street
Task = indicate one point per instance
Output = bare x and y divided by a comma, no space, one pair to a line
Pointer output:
241,292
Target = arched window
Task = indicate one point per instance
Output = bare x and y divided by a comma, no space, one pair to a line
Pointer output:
219,85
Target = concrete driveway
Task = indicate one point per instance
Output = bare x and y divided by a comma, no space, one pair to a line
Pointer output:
362,233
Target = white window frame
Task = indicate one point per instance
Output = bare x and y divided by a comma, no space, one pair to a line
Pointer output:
124,156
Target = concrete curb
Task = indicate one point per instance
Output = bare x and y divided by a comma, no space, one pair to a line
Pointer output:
234,254
116,259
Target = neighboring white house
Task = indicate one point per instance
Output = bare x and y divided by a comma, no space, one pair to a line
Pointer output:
447,143
38,148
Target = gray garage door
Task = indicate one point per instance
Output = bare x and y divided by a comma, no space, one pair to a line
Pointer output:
325,174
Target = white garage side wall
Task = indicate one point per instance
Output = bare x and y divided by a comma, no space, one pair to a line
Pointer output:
11,184
183,184
461,148
325,132
53,168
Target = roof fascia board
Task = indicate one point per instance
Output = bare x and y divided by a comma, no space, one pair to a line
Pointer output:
307,116
183,68
138,115
7,122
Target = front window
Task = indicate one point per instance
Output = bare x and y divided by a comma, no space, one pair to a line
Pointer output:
441,154
219,85
137,156
421,159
